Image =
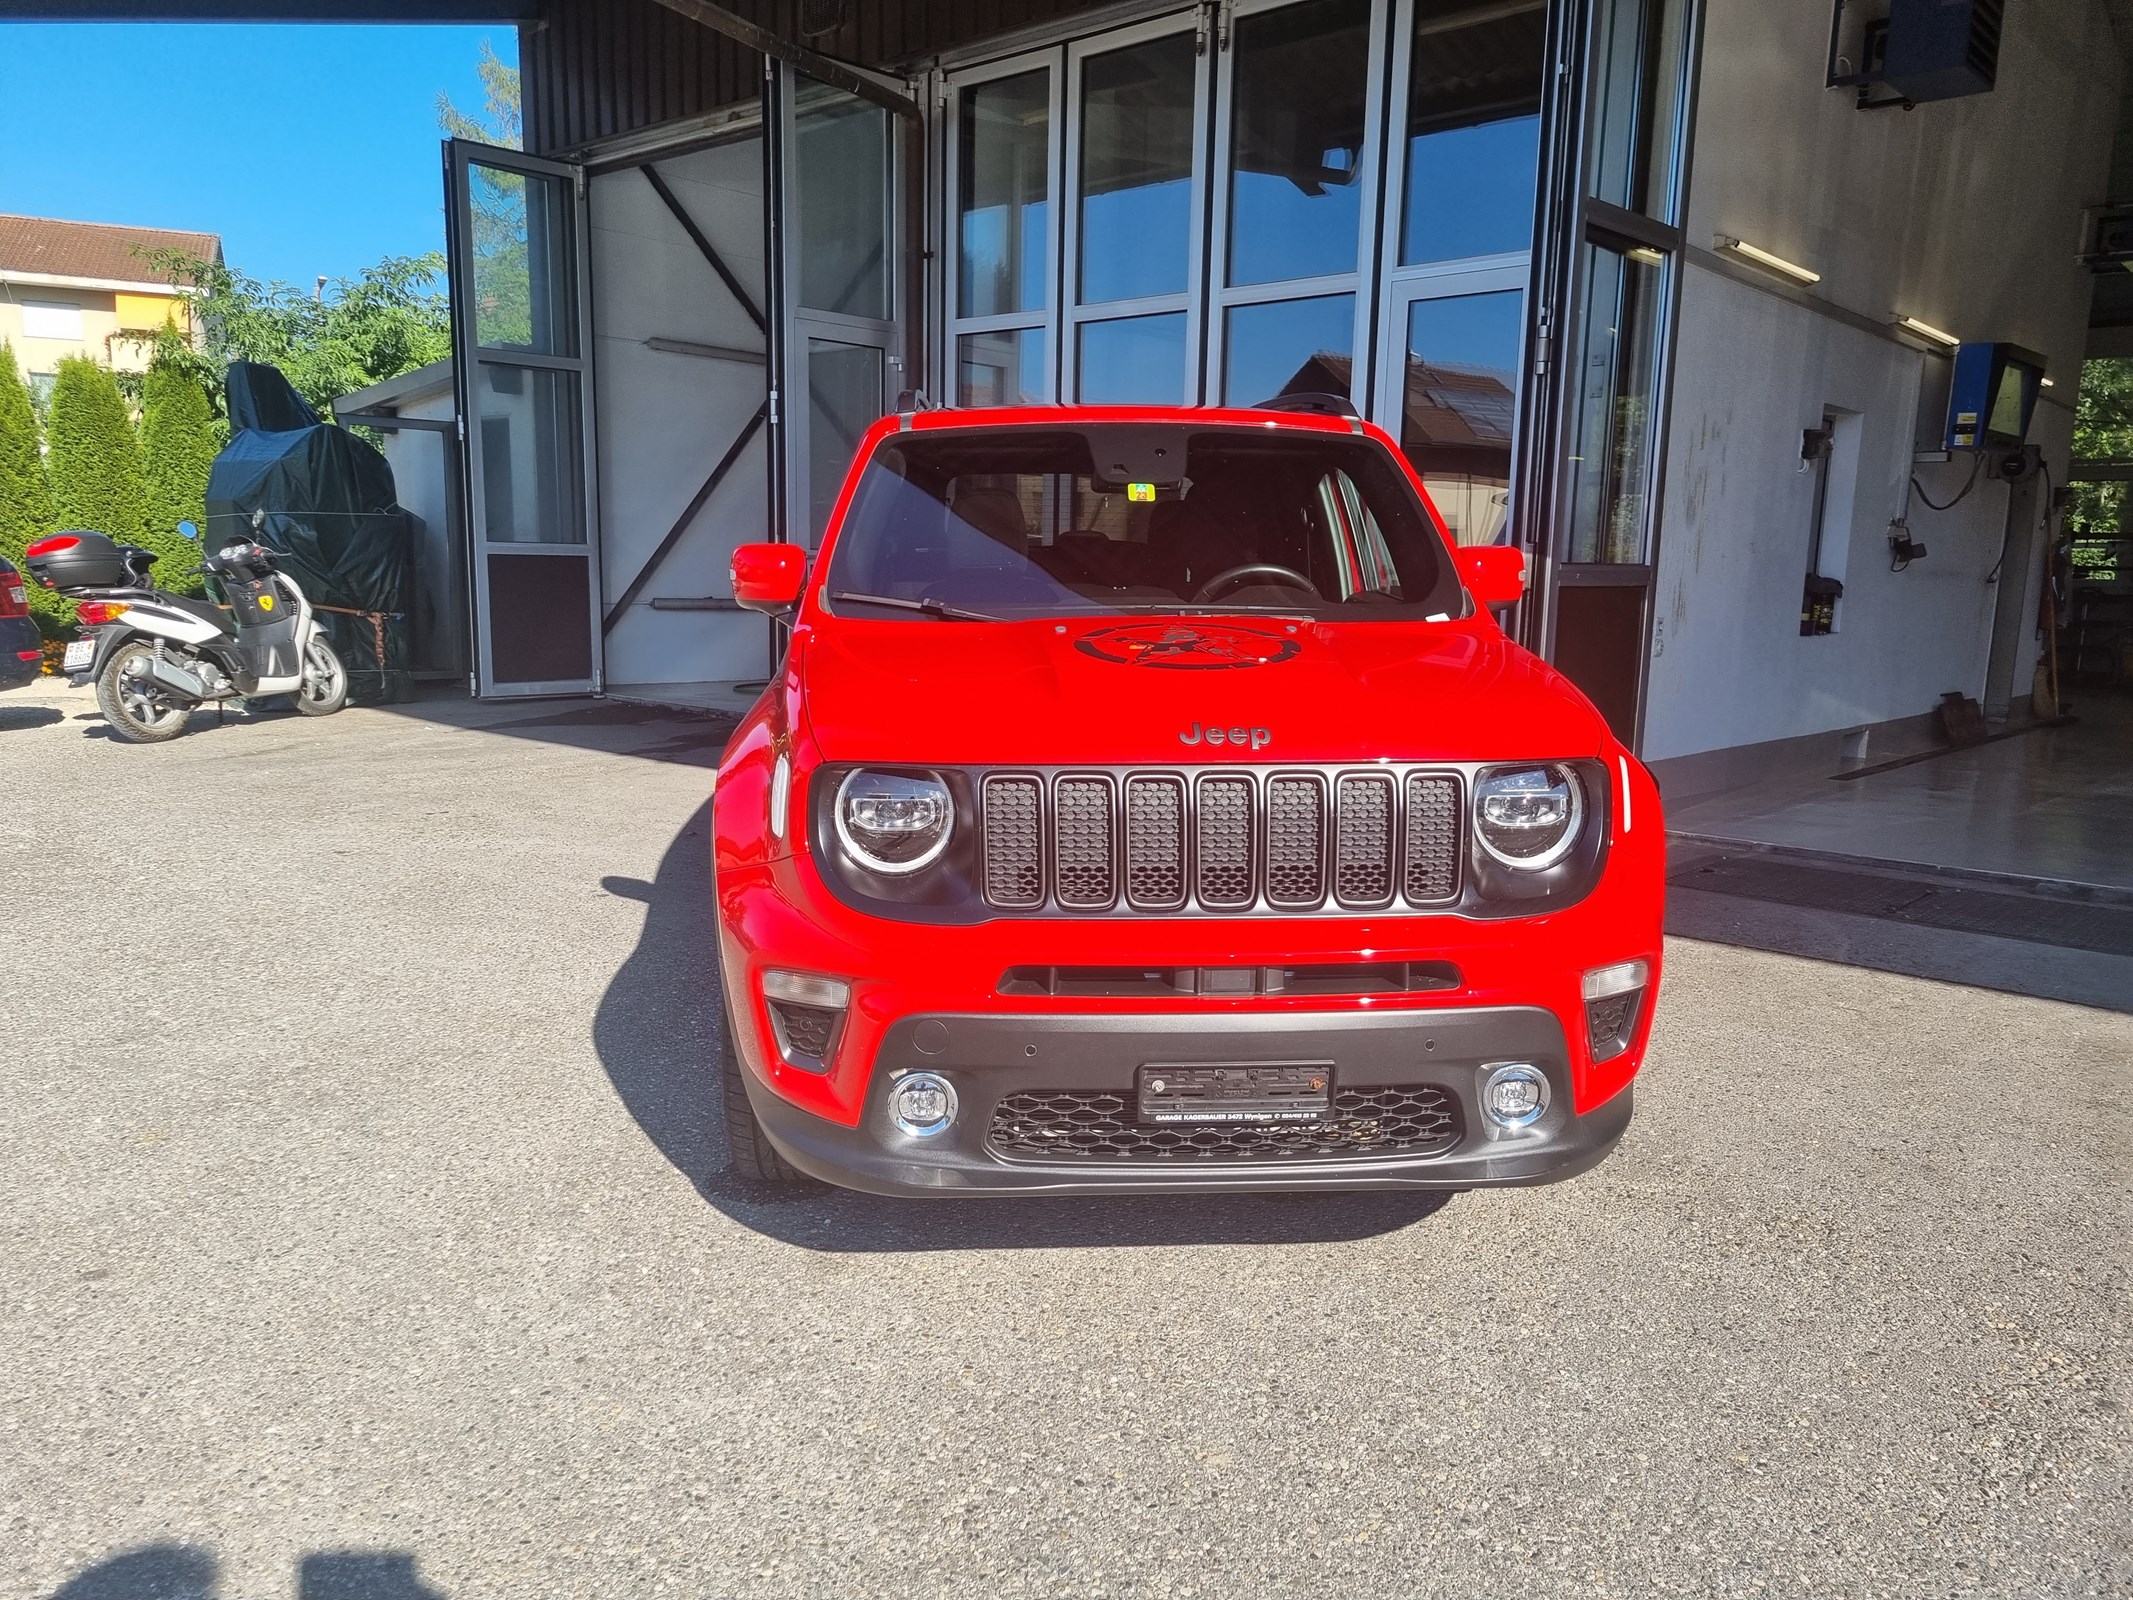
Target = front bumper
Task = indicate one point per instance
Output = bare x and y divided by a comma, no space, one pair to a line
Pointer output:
989,1057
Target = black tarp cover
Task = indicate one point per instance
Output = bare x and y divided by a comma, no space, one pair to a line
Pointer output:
329,501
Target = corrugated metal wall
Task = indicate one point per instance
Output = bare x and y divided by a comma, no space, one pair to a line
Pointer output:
596,68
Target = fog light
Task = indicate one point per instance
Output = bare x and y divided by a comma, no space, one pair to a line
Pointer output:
1514,1095
922,1105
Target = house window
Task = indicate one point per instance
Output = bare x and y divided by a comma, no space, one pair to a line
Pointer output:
51,319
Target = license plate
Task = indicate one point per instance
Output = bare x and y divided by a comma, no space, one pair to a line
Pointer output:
79,654
1257,1091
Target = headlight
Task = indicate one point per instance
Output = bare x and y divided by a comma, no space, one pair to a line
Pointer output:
1527,817
893,823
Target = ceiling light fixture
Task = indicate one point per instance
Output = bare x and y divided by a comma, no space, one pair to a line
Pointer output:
1926,330
1758,256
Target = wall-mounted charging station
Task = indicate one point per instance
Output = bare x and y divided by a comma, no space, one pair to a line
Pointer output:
1991,395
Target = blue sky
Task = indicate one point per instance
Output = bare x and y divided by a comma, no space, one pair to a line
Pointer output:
309,148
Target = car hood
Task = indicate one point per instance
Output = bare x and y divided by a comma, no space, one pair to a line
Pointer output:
1121,690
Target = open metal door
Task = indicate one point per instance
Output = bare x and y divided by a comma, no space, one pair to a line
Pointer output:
840,362
522,343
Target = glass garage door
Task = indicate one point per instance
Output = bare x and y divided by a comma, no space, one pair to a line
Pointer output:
522,342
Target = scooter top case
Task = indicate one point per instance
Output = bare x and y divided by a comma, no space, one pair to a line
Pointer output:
80,559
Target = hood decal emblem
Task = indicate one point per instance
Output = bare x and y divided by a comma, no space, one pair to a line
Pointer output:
1187,647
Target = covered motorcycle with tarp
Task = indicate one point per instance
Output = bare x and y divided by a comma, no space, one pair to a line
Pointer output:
294,483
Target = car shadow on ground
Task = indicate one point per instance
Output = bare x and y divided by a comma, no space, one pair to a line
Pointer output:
13,717
186,1572
613,727
657,1035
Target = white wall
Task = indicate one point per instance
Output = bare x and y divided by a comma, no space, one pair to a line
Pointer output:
1962,213
417,457
666,418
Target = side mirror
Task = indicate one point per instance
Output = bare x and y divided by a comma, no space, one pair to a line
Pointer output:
1494,574
769,577
188,530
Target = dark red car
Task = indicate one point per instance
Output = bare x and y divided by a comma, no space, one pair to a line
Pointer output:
1148,800
21,645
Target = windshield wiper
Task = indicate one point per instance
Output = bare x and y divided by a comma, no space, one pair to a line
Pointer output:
926,604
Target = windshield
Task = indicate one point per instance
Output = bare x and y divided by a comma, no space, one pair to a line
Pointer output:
1001,522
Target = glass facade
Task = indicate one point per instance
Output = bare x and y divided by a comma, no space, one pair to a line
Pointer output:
841,149
1472,157
1136,165
1608,468
1296,132
1003,209
1400,202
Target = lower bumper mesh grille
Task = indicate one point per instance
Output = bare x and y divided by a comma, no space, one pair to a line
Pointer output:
1406,1120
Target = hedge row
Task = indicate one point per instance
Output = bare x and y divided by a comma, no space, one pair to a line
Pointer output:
91,466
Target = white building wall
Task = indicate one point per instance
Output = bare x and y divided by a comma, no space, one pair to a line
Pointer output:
1962,213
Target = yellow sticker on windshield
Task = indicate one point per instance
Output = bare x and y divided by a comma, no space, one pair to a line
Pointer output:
1141,491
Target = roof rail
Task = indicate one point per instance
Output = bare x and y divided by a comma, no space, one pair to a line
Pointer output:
1316,405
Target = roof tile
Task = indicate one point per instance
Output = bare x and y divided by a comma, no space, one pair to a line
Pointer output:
92,249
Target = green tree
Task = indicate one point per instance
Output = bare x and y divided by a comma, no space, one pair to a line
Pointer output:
2099,514
390,319
95,460
25,497
178,445
502,123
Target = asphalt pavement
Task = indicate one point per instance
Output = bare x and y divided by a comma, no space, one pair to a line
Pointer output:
367,1236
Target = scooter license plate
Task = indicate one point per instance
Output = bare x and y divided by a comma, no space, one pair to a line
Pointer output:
79,654
1272,1091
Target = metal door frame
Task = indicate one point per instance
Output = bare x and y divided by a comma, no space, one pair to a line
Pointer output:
948,215
798,326
1221,296
468,357
1474,275
1195,23
1571,219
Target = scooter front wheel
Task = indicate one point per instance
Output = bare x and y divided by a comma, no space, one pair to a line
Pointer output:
325,688
139,710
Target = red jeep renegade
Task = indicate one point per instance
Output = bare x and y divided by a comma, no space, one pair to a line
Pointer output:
1148,800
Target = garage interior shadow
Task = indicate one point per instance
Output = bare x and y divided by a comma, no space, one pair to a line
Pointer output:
657,1034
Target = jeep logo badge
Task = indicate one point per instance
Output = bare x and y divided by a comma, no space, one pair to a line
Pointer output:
1257,738
1191,647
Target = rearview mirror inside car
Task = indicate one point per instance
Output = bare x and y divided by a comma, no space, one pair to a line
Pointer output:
1495,574
768,577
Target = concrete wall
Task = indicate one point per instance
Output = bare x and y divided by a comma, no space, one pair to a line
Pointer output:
1961,213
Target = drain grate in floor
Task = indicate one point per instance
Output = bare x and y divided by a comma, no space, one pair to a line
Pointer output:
2038,919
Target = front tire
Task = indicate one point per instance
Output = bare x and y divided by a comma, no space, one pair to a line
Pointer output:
138,709
325,688
753,1155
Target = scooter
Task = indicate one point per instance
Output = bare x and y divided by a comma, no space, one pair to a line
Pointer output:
155,656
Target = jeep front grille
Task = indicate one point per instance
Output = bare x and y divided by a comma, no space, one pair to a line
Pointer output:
1222,840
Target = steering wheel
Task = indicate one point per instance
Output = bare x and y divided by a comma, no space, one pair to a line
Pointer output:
1286,576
